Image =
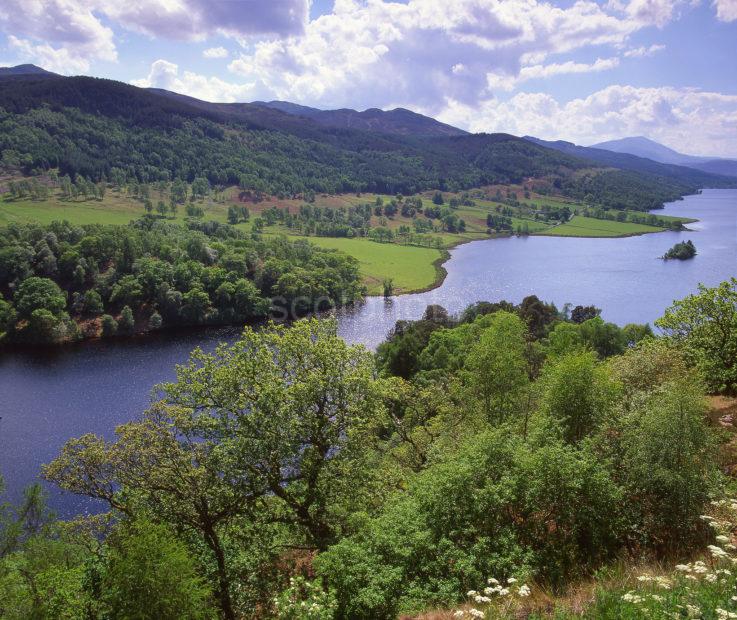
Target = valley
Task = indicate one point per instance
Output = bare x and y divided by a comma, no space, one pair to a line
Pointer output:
411,259
266,360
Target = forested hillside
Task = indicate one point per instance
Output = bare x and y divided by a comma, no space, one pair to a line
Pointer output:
93,128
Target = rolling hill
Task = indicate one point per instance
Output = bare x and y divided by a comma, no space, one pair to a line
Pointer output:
97,128
399,120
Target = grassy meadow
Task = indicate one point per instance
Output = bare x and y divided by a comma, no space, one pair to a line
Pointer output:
114,208
409,267
580,226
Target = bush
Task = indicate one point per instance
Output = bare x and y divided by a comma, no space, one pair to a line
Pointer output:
497,507
150,574
126,323
668,456
155,321
109,325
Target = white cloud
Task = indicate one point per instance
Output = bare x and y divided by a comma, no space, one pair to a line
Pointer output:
199,19
640,52
532,72
418,52
165,74
689,120
726,10
215,52
58,60
61,35
654,12
67,35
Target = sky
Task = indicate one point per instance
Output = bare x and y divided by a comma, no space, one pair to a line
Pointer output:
582,70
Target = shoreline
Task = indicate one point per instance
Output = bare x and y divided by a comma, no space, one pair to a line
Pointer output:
441,273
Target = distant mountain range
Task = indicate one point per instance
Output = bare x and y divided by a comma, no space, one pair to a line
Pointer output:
24,72
98,128
627,161
399,120
644,147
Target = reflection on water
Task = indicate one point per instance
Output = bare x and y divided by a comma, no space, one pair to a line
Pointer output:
49,396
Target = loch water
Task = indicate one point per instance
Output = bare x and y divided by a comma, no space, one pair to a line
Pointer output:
48,396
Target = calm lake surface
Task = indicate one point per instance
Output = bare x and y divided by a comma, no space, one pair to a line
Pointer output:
46,397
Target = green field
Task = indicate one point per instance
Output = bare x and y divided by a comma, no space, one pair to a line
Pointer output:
666,218
113,209
411,268
107,211
580,226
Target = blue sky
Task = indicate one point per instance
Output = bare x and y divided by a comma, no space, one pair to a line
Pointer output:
583,71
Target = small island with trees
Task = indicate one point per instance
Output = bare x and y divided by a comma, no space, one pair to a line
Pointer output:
681,251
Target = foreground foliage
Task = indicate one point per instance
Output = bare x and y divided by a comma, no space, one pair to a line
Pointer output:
473,461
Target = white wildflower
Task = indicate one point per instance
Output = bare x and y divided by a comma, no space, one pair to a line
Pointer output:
511,580
684,568
471,593
693,611
700,567
524,590
711,577
717,552
631,597
482,599
644,578
492,582
663,582
722,538
504,592
459,614
476,613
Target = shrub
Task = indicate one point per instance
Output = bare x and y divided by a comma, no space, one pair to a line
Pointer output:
150,574
497,507
126,323
109,325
